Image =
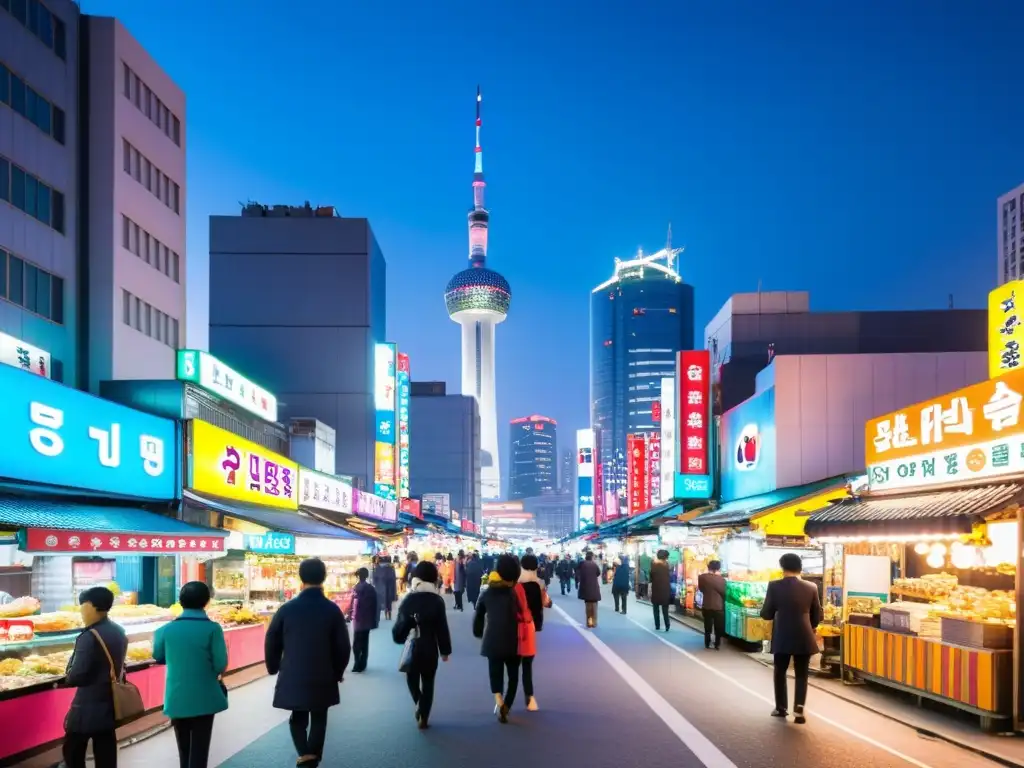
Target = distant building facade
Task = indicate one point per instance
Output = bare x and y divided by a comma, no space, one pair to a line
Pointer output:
567,471
533,446
1010,236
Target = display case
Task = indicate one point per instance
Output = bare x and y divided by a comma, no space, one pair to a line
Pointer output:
743,601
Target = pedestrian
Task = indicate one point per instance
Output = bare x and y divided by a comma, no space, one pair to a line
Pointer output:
192,646
576,572
589,577
712,590
474,578
535,595
564,571
307,647
385,582
459,579
410,565
497,622
423,611
794,608
98,657
661,590
620,583
364,614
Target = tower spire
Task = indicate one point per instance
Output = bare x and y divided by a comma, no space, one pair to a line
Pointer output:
478,217
478,169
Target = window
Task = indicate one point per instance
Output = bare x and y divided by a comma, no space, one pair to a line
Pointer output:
5,179
175,268
126,232
28,103
136,165
18,96
177,132
135,238
57,309
31,196
149,320
126,75
43,209
138,314
31,281
137,92
60,43
159,324
19,9
127,151
174,333
58,211
167,329
38,20
16,289
58,125
151,177
175,189
126,307
147,173
44,290
145,246
5,85
18,187
3,273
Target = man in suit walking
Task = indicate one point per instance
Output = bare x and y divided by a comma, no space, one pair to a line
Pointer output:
712,590
794,607
661,590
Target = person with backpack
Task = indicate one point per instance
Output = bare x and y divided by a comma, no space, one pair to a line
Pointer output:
496,621
364,613
533,599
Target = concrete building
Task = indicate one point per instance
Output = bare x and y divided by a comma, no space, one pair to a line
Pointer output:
132,209
533,446
297,302
39,177
1010,236
554,514
444,453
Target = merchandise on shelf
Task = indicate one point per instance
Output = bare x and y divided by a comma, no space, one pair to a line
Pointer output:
16,609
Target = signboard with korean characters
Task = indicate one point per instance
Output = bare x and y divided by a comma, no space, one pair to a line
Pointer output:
17,353
270,543
654,467
55,435
223,464
693,428
404,400
668,438
385,381
320,491
59,541
972,433
638,479
1005,335
206,371
374,507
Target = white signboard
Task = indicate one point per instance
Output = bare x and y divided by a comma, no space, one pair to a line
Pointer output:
320,491
211,374
584,477
980,461
370,505
668,437
17,353
384,375
439,504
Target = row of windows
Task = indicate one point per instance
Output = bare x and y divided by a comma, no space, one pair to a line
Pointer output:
38,20
147,319
148,104
145,246
27,193
23,99
30,287
152,178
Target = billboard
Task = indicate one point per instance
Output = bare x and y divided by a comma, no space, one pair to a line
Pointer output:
374,507
17,353
694,430
638,480
668,439
437,504
385,381
404,394
320,491
207,372
584,478
1004,329
223,464
654,467
748,448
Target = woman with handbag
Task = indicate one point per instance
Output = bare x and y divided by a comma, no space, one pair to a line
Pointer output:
192,646
422,626
497,621
533,599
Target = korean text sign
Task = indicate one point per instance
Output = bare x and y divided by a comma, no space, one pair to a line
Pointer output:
972,433
55,435
320,491
211,374
638,478
1005,334
25,356
226,465
668,437
693,383
404,395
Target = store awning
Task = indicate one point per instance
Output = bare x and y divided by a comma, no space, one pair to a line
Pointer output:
651,517
66,527
738,513
948,512
275,519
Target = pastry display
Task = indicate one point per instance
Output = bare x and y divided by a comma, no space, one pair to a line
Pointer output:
126,615
19,608
49,623
139,651
931,587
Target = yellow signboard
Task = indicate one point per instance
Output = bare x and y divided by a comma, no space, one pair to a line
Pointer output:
223,464
1005,336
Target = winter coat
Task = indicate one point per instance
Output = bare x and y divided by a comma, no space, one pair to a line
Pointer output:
92,708
590,581
661,583
460,576
564,570
308,648
192,646
422,607
365,611
474,575
496,621
536,597
620,582
793,606
712,589
386,583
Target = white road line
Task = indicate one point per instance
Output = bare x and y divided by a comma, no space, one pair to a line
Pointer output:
771,702
695,741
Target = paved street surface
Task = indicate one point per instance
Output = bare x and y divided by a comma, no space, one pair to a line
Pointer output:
620,695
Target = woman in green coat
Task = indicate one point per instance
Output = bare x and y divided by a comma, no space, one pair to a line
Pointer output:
192,646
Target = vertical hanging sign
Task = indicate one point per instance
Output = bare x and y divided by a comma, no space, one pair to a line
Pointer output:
694,394
404,394
654,469
668,438
385,469
638,483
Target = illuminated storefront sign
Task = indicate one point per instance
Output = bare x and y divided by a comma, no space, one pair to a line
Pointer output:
320,491
385,383
270,543
206,371
694,368
585,478
374,507
437,504
17,353
972,433
668,438
1004,328
654,467
748,448
226,465
404,395
411,507
638,480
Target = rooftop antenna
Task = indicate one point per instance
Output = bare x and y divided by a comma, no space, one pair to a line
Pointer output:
668,248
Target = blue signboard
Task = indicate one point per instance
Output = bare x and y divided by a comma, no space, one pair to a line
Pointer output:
691,486
55,435
270,543
386,427
748,448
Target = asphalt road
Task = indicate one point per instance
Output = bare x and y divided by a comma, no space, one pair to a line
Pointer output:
616,696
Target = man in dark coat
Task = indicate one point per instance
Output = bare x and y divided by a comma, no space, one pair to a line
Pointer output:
794,607
661,589
474,575
459,579
365,616
307,642
620,583
496,622
564,571
385,582
91,716
712,590
590,587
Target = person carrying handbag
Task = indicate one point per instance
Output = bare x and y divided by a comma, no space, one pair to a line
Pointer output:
532,599
96,671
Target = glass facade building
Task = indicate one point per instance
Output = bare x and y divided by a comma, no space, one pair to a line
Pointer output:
533,469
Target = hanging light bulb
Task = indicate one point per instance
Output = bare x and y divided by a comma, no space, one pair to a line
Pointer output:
956,546
963,557
935,560
922,548
939,550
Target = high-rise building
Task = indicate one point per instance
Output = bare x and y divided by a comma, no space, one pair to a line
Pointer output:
567,472
639,319
315,353
533,444
478,299
1010,236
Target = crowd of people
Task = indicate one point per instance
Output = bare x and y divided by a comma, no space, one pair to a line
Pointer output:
308,646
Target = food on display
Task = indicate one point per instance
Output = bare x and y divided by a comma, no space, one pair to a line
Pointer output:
49,623
870,605
9,667
19,630
233,616
138,614
19,608
140,651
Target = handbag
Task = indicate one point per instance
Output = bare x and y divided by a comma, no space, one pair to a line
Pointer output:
527,632
405,661
127,698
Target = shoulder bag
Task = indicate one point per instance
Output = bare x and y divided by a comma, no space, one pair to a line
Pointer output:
127,698
405,661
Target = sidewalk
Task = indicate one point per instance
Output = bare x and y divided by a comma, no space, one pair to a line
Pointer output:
946,724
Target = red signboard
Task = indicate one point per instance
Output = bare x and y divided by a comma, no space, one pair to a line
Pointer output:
403,362
656,412
468,525
638,482
654,467
693,369
412,507
45,540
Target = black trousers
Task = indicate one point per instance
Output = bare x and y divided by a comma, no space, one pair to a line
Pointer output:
527,663
497,669
104,749
421,686
659,611
713,620
309,730
387,609
566,585
193,735
360,649
620,595
458,599
801,664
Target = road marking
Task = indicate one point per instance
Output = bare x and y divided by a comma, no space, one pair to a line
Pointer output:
695,741
758,695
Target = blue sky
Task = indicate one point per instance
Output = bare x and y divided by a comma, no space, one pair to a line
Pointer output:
854,150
